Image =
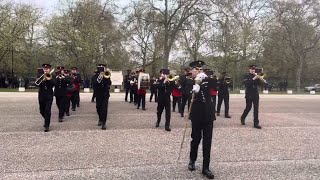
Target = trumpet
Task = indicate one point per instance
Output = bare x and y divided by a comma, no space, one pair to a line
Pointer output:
60,76
227,79
261,78
44,77
106,75
172,77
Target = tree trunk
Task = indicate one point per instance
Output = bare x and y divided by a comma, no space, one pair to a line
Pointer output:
166,49
298,75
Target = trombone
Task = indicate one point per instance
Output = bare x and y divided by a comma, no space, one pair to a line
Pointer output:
44,77
106,74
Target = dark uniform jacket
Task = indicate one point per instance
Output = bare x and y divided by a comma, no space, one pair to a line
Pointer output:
186,85
103,87
164,89
126,81
223,87
61,86
251,86
202,109
45,89
134,86
152,85
77,81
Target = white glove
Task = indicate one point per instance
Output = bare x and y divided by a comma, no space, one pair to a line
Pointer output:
200,77
196,88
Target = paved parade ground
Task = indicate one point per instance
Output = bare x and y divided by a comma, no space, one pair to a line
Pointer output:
287,146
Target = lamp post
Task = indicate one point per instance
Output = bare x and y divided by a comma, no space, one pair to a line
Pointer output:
12,60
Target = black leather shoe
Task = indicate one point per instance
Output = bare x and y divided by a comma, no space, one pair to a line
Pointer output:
157,124
182,115
242,122
227,116
138,107
208,173
104,127
218,114
168,129
46,129
257,126
99,123
192,165
78,105
73,109
67,114
60,120
144,109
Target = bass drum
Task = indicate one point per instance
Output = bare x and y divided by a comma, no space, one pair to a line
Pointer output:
143,80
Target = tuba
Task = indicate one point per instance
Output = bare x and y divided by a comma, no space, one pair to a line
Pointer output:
44,77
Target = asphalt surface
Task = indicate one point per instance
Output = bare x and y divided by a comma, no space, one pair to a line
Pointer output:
287,146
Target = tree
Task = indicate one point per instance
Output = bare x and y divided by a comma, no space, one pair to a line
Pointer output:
301,21
86,34
174,15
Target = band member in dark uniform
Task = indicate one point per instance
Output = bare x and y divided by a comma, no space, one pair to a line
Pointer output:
186,87
164,86
45,94
93,87
141,92
213,84
134,88
176,96
127,84
251,82
70,90
153,89
102,85
202,117
75,99
223,94
60,92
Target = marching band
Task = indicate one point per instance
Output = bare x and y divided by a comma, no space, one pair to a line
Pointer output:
197,87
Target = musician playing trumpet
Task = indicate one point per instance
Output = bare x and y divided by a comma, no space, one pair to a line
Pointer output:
45,94
102,83
164,85
224,83
60,91
251,82
176,95
75,98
